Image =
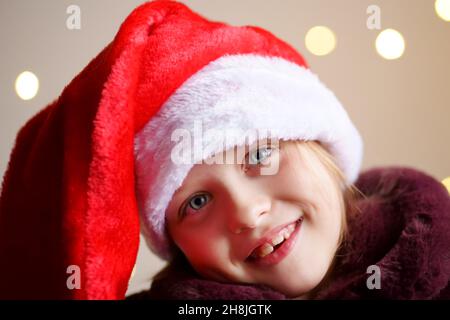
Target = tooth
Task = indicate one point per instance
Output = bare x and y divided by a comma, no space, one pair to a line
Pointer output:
265,250
277,240
290,229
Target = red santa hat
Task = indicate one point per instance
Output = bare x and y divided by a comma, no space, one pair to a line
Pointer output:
94,167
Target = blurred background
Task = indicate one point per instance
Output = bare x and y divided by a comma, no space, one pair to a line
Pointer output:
387,62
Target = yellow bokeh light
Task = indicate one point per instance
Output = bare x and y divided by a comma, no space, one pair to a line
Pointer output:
320,40
390,44
446,183
442,8
27,85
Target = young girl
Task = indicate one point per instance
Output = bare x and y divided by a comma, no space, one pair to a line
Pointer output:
283,230
217,217
127,147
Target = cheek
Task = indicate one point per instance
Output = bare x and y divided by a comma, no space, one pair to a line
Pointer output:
202,247
330,214
295,178
314,253
325,222
290,182
322,231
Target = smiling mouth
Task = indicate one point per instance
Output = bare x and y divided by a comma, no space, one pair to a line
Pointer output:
270,248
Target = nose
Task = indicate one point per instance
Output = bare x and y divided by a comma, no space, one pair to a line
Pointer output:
246,207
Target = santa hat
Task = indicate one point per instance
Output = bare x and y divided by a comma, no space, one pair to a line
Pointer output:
88,167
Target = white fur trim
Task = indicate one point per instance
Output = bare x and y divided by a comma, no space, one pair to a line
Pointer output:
248,92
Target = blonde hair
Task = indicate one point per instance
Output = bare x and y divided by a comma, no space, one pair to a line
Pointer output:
347,193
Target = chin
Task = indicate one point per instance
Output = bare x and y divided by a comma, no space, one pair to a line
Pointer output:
295,289
293,293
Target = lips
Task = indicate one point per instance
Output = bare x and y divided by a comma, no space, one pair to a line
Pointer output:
275,245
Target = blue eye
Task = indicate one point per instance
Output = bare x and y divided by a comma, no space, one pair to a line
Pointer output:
195,203
259,155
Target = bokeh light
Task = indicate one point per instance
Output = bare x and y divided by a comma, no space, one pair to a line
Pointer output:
390,44
320,40
27,85
446,183
442,8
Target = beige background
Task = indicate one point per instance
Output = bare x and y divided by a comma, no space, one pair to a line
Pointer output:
401,107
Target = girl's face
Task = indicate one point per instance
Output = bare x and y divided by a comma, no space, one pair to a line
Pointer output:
228,218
